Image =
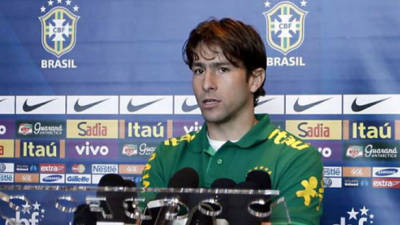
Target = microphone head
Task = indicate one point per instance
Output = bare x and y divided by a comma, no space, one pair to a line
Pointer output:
113,180
223,183
260,178
184,178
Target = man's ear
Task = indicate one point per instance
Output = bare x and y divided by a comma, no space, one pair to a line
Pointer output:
256,79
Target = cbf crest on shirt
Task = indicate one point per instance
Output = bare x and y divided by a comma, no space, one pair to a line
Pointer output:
285,27
58,30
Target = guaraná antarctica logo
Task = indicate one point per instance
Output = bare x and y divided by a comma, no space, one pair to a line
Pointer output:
363,216
285,24
59,28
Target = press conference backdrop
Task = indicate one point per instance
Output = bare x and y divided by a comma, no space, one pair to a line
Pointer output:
91,87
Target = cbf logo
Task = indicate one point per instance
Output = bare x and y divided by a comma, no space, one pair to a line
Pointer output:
30,214
59,27
285,31
362,216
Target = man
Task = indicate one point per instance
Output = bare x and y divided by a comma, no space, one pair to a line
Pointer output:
228,62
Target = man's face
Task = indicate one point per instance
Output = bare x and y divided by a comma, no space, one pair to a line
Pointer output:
222,90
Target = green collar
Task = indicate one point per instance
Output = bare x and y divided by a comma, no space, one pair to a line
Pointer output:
256,134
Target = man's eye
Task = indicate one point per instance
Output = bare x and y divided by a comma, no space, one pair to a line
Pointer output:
198,71
224,69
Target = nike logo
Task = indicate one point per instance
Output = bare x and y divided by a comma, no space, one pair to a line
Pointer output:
300,108
2,100
358,108
80,108
28,108
134,108
188,108
265,101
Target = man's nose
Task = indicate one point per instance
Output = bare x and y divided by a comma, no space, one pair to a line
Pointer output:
209,81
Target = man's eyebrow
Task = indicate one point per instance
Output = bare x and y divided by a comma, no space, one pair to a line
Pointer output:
213,64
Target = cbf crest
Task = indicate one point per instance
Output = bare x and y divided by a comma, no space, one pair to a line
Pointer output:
59,26
285,26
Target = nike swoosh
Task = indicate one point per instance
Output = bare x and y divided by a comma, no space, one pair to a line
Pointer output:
300,108
358,108
188,108
2,100
134,108
80,108
265,101
28,108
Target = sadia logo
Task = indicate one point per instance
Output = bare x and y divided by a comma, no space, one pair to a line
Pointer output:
30,214
285,31
59,27
363,216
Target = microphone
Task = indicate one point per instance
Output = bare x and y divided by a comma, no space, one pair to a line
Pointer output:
263,181
166,206
211,204
255,180
112,209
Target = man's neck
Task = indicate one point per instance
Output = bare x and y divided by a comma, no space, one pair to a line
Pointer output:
232,130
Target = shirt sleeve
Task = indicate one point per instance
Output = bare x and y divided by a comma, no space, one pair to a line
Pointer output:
300,183
152,176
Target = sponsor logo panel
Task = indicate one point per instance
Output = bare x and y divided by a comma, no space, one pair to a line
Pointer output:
6,148
371,104
271,104
92,129
6,177
32,129
356,171
41,149
6,167
372,150
78,168
25,167
7,128
52,168
158,130
78,178
138,150
52,178
182,127
131,169
356,182
146,104
315,129
391,172
332,171
26,177
7,105
92,104
332,182
40,104
330,150
104,168
92,149
386,183
186,104
314,104
368,130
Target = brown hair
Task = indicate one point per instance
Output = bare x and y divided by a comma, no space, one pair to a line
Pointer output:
239,42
